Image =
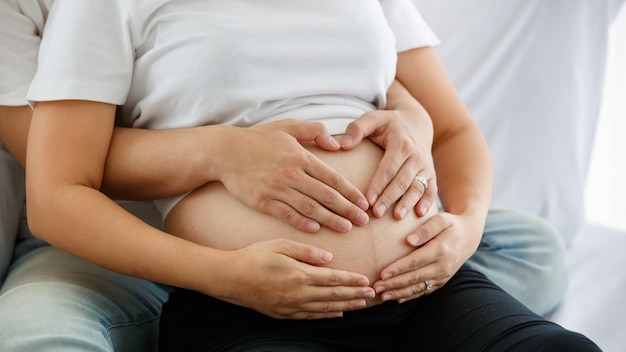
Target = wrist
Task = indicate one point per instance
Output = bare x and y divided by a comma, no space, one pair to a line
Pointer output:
216,143
474,224
202,270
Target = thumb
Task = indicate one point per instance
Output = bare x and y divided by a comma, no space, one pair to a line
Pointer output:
427,231
359,129
313,132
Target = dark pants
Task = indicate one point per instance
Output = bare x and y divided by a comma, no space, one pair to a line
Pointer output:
469,313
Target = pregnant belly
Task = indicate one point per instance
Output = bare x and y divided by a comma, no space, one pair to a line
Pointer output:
211,216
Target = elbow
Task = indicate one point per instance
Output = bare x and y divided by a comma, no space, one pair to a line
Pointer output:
40,210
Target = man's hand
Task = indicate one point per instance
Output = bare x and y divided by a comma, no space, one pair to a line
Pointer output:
267,168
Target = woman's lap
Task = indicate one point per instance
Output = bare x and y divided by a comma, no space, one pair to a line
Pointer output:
470,313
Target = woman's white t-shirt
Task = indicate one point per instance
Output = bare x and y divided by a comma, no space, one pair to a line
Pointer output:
185,63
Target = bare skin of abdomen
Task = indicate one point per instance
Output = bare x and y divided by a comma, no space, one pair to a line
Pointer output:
211,216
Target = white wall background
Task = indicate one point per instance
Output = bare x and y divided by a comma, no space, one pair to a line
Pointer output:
605,193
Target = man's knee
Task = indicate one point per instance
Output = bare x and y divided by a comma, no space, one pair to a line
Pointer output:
525,255
49,316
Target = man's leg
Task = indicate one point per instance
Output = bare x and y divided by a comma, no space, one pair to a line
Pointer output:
524,255
53,301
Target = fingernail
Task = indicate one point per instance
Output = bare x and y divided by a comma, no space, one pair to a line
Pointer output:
345,225
326,256
380,289
403,211
414,239
363,204
387,276
370,294
386,297
362,218
423,210
373,198
346,140
333,141
381,209
313,226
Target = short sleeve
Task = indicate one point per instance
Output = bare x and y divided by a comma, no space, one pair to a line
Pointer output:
19,44
86,53
408,25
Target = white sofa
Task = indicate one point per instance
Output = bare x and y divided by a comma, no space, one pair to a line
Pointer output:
531,73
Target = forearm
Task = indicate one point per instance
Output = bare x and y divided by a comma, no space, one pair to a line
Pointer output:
464,175
142,164
67,153
126,244
400,99
14,122
461,156
149,164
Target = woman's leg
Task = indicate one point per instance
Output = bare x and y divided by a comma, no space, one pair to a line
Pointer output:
524,255
53,301
470,313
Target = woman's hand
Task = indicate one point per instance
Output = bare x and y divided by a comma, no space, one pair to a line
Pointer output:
464,177
442,246
405,132
283,279
267,168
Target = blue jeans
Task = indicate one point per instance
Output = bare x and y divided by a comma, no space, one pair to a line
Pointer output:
526,256
52,301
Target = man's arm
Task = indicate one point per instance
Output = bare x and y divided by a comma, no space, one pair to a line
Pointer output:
14,122
151,164
142,165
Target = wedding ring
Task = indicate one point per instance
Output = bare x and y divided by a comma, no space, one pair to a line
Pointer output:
429,286
421,180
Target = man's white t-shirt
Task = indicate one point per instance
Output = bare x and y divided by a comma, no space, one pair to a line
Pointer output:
186,63
21,25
